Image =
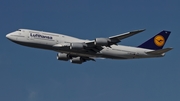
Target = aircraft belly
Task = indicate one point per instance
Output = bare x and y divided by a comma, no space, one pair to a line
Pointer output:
105,53
79,52
114,54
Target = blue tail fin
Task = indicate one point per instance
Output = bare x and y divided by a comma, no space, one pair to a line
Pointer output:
156,42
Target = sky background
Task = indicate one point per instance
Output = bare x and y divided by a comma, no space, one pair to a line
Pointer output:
29,74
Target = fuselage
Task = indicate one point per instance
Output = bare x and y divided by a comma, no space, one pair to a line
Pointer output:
47,40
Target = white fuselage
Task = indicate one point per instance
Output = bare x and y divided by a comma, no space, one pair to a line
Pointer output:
47,40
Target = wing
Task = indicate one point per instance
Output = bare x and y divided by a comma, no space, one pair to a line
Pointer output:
125,35
96,45
113,39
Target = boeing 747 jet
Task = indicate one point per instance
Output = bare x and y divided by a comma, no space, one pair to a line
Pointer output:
79,50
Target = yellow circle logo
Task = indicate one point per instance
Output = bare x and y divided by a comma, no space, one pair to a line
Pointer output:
159,40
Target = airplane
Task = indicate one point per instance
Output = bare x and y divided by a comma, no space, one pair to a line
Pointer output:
79,51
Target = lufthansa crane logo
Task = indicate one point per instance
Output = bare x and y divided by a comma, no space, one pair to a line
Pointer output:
159,40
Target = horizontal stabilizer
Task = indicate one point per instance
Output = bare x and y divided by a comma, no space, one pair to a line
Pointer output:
160,51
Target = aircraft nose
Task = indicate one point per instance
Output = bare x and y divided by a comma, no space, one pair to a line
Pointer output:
8,36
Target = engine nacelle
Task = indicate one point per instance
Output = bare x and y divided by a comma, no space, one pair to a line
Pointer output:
77,45
102,41
62,56
77,60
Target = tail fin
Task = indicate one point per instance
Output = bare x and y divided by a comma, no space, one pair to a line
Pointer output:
156,42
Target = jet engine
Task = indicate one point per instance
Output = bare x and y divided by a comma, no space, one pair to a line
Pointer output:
77,60
63,56
102,41
77,45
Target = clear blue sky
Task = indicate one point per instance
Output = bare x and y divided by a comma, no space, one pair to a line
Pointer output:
28,74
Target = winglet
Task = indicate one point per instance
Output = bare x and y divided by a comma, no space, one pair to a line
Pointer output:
160,51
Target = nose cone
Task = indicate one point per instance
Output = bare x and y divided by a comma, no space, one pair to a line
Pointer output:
8,36
13,36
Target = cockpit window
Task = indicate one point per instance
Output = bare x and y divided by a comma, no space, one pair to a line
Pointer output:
19,30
